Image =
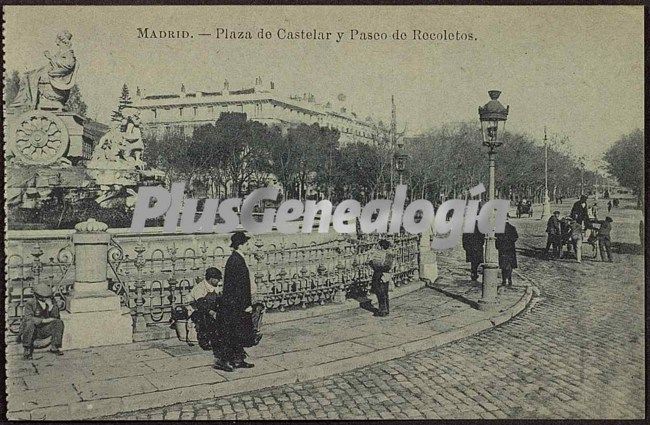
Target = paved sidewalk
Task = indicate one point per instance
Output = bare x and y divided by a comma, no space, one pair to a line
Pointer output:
104,381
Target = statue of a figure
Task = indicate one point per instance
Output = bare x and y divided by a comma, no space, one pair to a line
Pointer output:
107,149
122,146
132,145
49,87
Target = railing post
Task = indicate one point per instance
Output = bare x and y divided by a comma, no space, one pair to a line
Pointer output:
258,276
37,265
139,321
94,315
172,281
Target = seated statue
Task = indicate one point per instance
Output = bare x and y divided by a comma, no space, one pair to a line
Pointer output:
49,87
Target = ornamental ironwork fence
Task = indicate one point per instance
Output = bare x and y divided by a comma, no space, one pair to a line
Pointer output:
152,278
39,262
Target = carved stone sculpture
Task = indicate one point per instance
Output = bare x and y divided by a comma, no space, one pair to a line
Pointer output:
40,138
121,147
49,87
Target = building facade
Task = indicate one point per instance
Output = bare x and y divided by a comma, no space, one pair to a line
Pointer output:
186,111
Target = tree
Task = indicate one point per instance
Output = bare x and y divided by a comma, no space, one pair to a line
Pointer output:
11,87
313,149
445,162
75,102
242,145
327,157
283,155
625,161
359,171
123,102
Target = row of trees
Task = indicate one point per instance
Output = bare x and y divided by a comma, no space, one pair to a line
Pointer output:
234,156
446,161
625,161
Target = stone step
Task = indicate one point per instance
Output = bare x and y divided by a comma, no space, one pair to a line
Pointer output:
97,328
104,301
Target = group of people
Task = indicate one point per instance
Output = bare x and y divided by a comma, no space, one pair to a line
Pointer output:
227,322
473,244
578,228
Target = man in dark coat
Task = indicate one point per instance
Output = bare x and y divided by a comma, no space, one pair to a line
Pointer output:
579,211
473,246
604,238
236,302
554,234
505,244
41,320
381,267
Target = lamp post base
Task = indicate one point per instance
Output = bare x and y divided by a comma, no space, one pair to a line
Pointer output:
546,211
484,305
488,299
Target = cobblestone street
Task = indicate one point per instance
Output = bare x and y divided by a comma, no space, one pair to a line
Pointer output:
576,352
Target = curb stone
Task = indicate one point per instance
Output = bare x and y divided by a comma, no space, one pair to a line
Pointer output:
349,304
110,406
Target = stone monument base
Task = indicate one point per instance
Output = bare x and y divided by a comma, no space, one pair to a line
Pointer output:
429,266
95,319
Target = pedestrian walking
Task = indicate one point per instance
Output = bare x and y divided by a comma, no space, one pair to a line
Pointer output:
505,244
609,206
604,238
41,319
554,231
236,299
594,211
473,246
381,265
576,239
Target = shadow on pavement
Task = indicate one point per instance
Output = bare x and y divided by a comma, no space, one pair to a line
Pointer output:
365,303
538,253
627,248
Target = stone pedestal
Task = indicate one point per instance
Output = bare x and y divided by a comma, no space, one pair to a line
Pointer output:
94,316
429,266
339,296
428,260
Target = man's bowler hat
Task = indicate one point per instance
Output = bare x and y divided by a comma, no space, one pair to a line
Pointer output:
238,238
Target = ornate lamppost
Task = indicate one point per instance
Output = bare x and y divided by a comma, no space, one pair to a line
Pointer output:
582,175
546,212
400,161
493,118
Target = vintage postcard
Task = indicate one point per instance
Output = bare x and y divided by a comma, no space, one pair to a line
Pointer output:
323,212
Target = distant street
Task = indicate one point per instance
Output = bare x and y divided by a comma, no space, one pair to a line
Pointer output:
577,352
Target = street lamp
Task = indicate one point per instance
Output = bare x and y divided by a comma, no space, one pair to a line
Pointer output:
582,176
400,161
493,118
546,212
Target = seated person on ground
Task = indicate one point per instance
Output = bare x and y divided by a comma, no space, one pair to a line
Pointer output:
41,320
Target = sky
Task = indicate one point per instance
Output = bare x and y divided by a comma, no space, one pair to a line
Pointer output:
576,70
